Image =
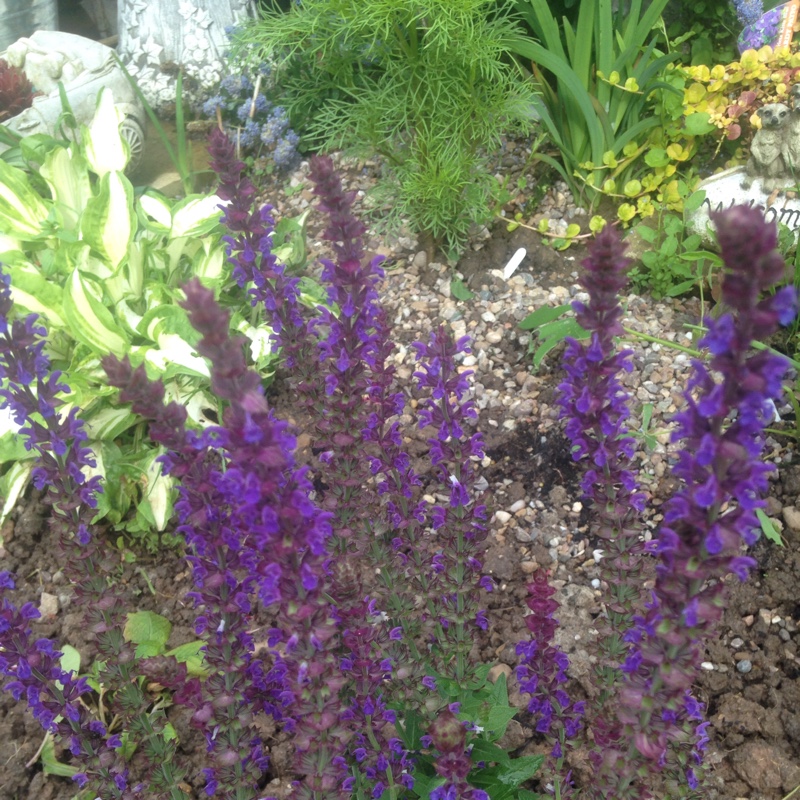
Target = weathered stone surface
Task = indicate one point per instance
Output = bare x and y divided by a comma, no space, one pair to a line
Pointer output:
190,33
725,189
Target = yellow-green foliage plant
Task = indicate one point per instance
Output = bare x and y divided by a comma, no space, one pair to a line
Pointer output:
730,94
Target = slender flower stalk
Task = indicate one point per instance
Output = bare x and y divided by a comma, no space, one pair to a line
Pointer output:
542,673
30,389
349,342
460,529
400,545
595,406
249,249
728,403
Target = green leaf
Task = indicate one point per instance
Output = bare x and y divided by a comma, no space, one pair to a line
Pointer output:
647,233
148,631
459,290
90,321
38,146
499,692
542,315
101,140
68,178
70,659
159,492
669,246
12,484
411,726
694,200
489,752
22,211
656,157
109,422
681,288
195,215
425,784
191,655
50,764
769,530
519,770
108,222
501,781
555,336
498,719
698,124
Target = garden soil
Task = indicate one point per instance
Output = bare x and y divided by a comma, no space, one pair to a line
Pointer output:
750,680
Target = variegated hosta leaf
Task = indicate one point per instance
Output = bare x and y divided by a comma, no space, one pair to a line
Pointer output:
89,320
156,212
209,264
33,293
159,492
109,422
195,215
22,211
12,485
101,141
108,222
68,177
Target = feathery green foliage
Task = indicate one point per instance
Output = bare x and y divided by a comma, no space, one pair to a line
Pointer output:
425,84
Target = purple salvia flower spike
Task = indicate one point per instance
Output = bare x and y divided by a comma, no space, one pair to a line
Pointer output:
29,389
460,528
541,673
728,402
594,404
277,538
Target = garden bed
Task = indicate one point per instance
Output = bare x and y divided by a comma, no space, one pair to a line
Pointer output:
751,676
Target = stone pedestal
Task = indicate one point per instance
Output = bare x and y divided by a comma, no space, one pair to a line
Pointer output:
725,189
158,37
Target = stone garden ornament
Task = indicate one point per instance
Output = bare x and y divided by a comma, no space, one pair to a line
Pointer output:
158,37
84,67
770,146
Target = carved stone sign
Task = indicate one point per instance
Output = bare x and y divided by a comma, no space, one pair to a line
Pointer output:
725,189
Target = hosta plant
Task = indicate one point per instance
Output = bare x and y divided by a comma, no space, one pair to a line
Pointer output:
103,264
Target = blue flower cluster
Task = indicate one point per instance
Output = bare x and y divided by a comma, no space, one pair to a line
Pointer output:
253,123
748,11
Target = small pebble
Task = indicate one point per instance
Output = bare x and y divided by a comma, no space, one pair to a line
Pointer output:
707,665
744,666
737,643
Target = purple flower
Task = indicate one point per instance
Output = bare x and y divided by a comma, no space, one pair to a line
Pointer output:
251,528
29,390
459,526
748,11
728,402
